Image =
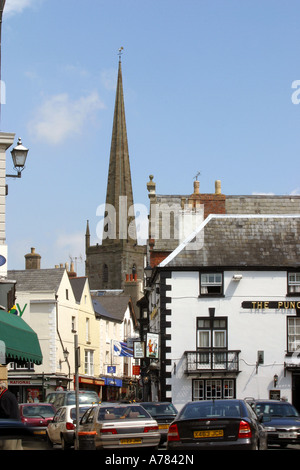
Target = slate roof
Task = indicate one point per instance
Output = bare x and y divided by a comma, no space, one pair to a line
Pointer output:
78,284
113,307
241,241
37,279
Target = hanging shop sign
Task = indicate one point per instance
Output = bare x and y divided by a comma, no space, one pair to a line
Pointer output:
264,305
139,349
152,345
136,370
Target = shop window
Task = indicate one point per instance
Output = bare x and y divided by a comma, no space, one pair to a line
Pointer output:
207,389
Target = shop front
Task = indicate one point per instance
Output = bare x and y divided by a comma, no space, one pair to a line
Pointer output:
112,389
91,383
34,388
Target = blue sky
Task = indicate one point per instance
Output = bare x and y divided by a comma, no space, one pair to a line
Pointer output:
207,84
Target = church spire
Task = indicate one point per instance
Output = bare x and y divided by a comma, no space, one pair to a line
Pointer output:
119,187
108,264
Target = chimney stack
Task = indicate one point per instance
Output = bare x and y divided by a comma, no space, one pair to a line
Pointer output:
134,288
32,260
72,272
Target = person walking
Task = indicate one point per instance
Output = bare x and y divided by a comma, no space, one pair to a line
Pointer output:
9,409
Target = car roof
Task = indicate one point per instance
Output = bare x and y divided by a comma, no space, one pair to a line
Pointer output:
261,400
223,400
38,403
155,403
81,405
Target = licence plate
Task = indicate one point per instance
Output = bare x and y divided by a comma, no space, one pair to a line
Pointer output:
39,432
163,426
130,441
203,434
287,435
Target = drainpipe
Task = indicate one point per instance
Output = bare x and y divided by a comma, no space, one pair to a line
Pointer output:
58,333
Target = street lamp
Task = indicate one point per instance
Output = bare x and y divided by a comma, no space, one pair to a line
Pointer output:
19,155
148,273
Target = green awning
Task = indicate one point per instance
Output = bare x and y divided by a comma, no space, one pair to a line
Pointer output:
20,341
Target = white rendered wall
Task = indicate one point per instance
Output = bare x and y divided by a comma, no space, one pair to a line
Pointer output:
248,330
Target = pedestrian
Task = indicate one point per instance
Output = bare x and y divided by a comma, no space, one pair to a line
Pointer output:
9,409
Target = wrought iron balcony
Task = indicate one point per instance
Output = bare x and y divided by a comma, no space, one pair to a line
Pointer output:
212,360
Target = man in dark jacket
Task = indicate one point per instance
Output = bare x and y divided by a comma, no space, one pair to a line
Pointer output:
9,409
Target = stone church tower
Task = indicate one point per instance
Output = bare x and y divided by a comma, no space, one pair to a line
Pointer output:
119,255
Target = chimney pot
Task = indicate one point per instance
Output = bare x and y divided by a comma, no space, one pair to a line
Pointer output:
196,187
218,187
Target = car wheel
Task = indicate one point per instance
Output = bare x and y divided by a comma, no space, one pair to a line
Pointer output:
64,445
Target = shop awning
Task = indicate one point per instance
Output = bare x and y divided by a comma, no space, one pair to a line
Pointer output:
20,342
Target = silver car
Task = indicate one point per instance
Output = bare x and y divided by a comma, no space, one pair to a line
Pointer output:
61,430
120,426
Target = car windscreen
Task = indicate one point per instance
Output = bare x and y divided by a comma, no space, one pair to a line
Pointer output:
160,409
82,410
83,397
278,410
210,410
122,412
33,411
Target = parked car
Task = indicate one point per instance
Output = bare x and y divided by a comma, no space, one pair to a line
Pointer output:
37,416
164,413
64,398
120,426
216,424
61,430
280,419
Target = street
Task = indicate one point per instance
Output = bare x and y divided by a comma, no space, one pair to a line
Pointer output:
42,445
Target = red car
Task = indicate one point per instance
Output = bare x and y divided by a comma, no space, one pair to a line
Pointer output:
37,416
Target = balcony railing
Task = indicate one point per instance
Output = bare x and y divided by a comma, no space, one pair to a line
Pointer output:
212,360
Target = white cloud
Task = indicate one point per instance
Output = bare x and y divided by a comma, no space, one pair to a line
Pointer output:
17,6
108,78
295,192
263,194
60,117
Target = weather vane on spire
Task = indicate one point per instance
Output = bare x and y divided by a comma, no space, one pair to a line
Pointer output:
120,53
196,176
